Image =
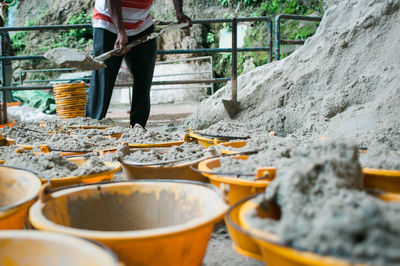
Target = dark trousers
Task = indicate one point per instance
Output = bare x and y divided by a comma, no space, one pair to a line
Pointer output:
140,61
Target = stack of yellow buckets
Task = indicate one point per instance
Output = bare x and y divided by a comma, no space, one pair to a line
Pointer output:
70,99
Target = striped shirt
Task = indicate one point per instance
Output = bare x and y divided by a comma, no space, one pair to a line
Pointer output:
135,16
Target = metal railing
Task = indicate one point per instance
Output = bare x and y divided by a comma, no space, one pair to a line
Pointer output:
268,48
278,40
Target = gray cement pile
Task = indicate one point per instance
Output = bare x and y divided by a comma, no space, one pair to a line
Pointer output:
78,121
23,135
140,135
7,151
343,83
103,132
273,152
65,142
53,165
232,129
324,208
187,152
68,57
380,156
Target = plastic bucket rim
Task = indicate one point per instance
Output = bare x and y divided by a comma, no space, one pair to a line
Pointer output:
204,220
262,238
23,201
230,180
81,177
382,172
38,235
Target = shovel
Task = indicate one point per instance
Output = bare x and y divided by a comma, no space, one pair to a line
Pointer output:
68,57
233,106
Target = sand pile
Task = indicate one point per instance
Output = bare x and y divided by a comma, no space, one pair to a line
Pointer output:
325,210
342,83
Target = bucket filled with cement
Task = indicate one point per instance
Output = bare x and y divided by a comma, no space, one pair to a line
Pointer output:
18,190
61,171
144,222
166,163
20,248
240,185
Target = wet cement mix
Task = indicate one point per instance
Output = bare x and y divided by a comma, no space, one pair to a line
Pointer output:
140,135
65,142
103,132
324,208
7,151
53,165
328,87
185,153
272,152
231,129
380,156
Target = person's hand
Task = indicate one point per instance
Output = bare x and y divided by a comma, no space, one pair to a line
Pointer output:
182,18
121,42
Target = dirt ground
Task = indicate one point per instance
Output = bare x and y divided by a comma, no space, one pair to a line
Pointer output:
160,114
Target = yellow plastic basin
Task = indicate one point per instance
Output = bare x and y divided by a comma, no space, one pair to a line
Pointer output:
179,171
144,222
239,188
156,145
386,180
242,241
205,142
24,248
18,190
85,179
276,254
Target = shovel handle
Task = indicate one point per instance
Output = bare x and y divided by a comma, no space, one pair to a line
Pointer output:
141,40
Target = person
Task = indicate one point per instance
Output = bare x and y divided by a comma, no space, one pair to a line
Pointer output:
8,71
115,23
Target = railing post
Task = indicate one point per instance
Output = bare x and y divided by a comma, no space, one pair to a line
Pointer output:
270,40
277,37
234,58
3,79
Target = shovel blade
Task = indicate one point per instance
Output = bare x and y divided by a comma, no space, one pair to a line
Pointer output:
232,107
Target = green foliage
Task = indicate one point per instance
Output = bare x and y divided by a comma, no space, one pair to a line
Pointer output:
302,33
19,41
74,38
210,37
256,35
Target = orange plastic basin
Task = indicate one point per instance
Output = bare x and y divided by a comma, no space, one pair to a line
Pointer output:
386,180
28,247
143,222
277,254
85,179
18,189
243,243
239,188
272,252
205,142
179,171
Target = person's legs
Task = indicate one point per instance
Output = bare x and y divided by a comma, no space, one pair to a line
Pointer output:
141,61
7,81
102,81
